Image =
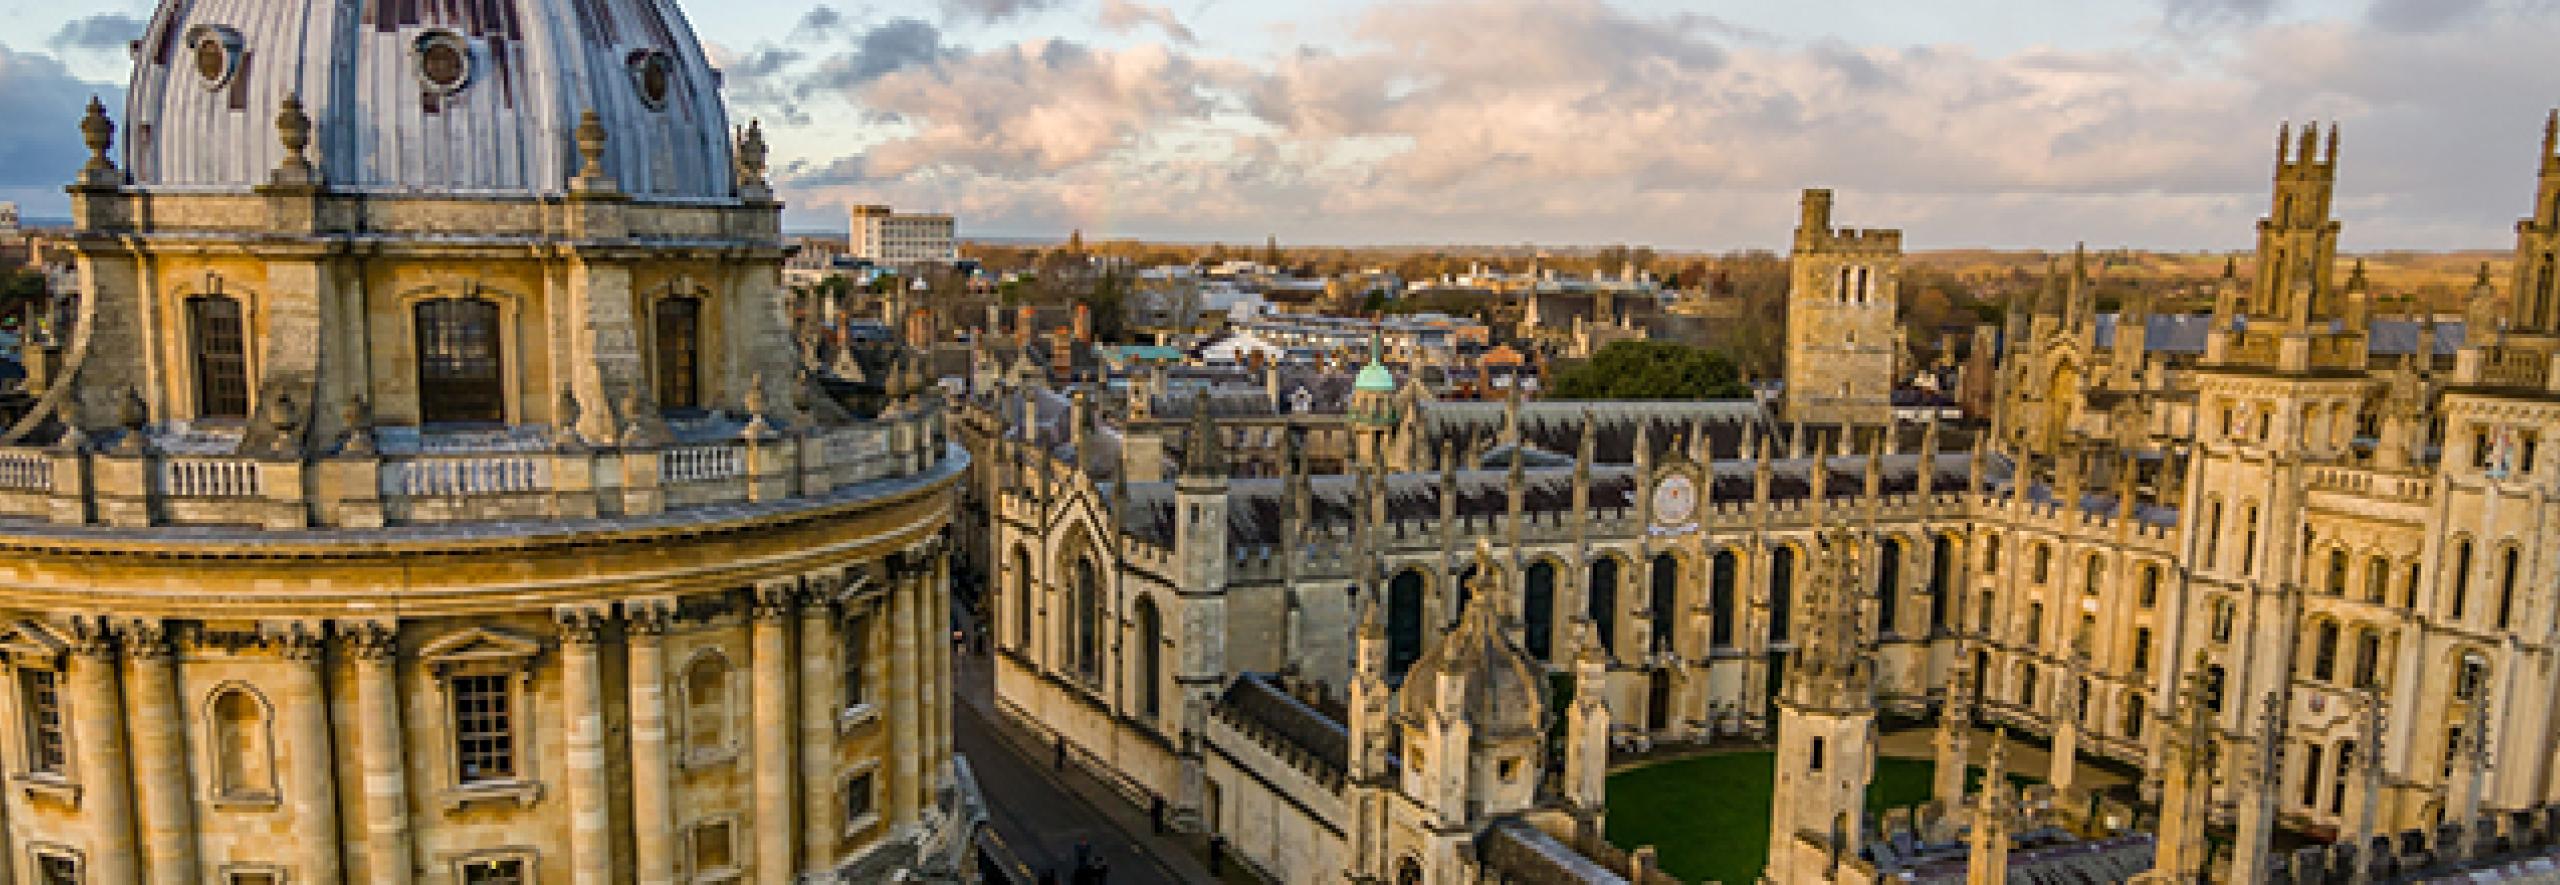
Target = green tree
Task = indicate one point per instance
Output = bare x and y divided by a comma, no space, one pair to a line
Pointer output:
1651,370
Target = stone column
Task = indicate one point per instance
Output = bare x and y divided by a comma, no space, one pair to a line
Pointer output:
386,776
774,760
820,824
589,798
311,785
653,823
903,684
97,738
159,733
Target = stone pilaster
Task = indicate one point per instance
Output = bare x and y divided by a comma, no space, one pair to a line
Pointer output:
774,761
310,786
97,714
653,823
159,733
905,765
590,801
820,824
376,649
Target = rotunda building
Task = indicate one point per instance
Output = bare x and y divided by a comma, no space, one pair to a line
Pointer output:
426,486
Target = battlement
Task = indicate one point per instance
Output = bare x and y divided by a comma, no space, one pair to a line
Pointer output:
1855,240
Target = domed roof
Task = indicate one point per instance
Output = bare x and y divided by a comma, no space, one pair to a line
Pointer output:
477,97
1497,683
1374,377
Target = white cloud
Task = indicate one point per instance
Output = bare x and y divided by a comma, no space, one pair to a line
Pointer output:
1124,16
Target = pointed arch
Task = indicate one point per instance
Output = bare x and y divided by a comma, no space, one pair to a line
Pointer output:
1147,632
1538,609
1600,600
1720,597
1782,591
1664,600
1404,622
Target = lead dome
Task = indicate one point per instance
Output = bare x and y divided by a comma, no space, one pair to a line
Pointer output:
474,97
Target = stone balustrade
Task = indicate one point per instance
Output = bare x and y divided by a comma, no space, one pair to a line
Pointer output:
120,487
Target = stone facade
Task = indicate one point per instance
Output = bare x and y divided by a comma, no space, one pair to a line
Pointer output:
456,535
1843,285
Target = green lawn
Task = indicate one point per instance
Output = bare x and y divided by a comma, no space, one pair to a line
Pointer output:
1708,816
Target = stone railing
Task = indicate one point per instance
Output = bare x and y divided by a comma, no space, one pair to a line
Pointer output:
2368,483
118,487
466,476
209,478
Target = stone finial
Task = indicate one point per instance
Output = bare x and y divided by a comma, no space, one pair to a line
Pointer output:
591,137
293,130
99,133
754,402
751,162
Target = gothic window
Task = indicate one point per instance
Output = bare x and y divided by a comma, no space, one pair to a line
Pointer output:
2083,638
2223,615
484,728
1720,598
678,343
1022,601
1600,603
1088,620
2214,680
221,356
40,699
459,367
2150,595
1782,591
2096,577
2249,539
2027,685
2311,776
2507,571
243,748
1149,637
2409,591
1982,614
2344,765
1538,610
2141,650
1941,583
2133,711
2337,572
2461,579
1888,586
852,646
1665,601
2470,677
2324,652
2377,579
1991,555
2212,534
1404,623
1813,755
706,708
2035,623
2043,570
2368,658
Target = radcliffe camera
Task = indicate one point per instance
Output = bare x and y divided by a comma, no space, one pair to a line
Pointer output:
1354,442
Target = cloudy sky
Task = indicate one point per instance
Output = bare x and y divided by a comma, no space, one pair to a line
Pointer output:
1676,123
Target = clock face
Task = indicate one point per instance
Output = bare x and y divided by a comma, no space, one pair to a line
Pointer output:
1675,499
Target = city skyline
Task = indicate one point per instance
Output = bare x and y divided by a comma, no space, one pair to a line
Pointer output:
1972,124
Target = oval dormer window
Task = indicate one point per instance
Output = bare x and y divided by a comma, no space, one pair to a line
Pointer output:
653,74
444,61
215,50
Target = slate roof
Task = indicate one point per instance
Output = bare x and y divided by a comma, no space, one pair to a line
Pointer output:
1260,700
1527,855
1556,425
2184,333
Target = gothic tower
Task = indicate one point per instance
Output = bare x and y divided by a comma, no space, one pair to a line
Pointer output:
2535,305
1200,548
1826,724
1843,286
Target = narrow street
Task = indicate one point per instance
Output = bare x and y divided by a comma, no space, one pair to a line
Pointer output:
1043,814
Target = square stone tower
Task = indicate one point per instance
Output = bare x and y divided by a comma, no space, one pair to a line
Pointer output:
1843,286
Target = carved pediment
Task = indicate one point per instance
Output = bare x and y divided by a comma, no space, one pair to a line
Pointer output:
480,645
32,641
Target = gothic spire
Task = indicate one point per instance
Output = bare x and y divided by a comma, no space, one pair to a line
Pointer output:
1203,454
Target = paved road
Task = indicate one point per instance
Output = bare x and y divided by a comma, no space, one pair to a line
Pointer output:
1043,815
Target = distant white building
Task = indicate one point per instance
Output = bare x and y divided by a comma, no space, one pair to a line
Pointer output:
892,238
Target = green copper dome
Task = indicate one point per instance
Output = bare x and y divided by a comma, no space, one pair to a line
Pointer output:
1375,377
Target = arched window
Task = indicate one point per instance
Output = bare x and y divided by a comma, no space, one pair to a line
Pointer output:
1600,604
2096,577
2461,579
1782,593
1149,636
243,746
1720,598
1941,584
2027,685
2343,768
2377,579
2150,595
1538,614
2311,769
1088,638
2212,534
1022,601
2141,650
2324,651
706,705
2337,572
2133,710
1404,622
2249,539
1888,586
1665,600
2368,658
1991,555
678,343
460,377
2035,623
221,342
2043,568
2508,566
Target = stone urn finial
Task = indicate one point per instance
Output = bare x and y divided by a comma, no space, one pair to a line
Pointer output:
100,134
752,154
591,140
293,130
